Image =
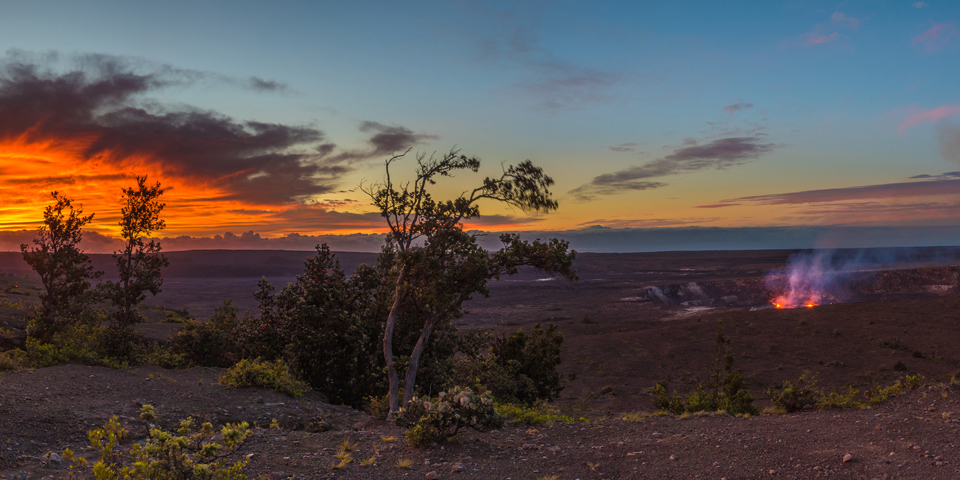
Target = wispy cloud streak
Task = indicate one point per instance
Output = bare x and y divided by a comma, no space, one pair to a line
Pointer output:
935,38
720,154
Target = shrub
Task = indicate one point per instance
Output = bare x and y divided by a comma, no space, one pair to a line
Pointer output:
516,368
328,327
878,395
81,343
666,402
839,399
726,390
193,452
792,397
8,361
441,419
534,357
256,373
208,344
539,413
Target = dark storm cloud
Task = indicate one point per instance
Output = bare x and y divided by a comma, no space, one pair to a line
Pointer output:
100,103
720,154
736,107
386,140
389,139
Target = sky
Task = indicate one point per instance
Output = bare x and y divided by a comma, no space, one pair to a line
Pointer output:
262,119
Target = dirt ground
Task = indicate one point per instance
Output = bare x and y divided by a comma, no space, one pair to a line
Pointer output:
615,348
911,436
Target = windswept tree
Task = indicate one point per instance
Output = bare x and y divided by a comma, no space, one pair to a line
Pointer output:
437,265
64,270
139,262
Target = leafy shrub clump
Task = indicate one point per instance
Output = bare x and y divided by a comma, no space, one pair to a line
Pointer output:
207,344
193,452
726,390
442,418
9,361
878,395
791,397
81,343
519,368
257,373
539,413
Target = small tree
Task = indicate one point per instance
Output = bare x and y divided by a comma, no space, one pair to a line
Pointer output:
139,262
64,270
437,264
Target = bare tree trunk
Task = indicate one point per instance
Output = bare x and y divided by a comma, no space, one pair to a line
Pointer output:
388,345
126,289
410,381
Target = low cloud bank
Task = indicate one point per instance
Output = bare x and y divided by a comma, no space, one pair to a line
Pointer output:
592,239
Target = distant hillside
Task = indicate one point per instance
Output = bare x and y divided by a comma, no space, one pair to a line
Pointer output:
213,263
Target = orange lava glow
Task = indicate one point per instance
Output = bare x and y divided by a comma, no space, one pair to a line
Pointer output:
782,303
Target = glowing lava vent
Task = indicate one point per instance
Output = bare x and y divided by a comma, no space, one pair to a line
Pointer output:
808,281
808,300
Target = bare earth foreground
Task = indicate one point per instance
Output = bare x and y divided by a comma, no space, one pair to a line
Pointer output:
616,347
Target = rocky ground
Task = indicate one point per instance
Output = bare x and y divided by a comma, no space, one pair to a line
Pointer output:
615,348
50,409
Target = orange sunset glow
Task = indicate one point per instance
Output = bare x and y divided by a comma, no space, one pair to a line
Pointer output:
31,170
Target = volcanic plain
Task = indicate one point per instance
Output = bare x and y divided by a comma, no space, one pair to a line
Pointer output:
620,339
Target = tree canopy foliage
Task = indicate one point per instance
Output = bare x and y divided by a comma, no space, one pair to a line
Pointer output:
438,265
140,262
64,270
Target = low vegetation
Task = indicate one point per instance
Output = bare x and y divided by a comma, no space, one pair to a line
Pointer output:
725,391
791,397
440,419
191,452
258,373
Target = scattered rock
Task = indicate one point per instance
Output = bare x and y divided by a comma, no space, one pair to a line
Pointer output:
432,475
457,467
847,458
673,457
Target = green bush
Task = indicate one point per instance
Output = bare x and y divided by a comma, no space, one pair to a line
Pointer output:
207,344
257,373
330,326
792,397
726,390
666,402
539,413
534,357
440,419
193,452
9,361
878,395
517,368
327,325
835,399
81,343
